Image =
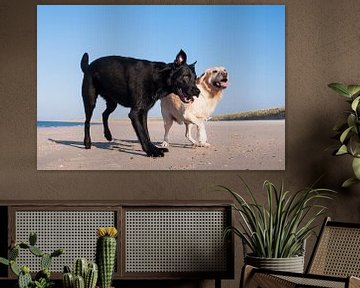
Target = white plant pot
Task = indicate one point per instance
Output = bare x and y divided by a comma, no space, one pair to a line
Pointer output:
291,264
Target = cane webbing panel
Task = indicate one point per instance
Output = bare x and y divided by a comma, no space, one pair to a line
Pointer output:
267,280
74,231
175,241
313,282
338,252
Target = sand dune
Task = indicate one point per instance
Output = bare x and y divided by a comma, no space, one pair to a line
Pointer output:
235,145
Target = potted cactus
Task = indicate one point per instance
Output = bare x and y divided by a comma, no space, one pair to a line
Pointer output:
42,278
106,254
84,275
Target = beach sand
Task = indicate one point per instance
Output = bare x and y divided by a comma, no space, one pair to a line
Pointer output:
235,145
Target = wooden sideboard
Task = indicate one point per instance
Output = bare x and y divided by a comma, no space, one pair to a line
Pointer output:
157,240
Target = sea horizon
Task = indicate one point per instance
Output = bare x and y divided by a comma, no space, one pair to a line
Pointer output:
61,123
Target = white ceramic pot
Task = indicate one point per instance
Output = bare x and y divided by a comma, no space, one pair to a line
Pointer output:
291,264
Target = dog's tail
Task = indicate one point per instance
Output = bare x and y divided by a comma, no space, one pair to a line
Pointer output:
84,64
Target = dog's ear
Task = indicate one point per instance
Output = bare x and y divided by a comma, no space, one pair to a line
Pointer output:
192,67
180,58
200,78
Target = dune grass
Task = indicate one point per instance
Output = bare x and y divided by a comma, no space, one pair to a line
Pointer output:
264,114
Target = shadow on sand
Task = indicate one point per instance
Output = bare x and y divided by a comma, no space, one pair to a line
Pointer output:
127,146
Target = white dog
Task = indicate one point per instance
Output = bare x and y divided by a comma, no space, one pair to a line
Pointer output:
211,84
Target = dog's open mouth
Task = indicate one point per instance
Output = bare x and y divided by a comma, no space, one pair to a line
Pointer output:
223,83
183,97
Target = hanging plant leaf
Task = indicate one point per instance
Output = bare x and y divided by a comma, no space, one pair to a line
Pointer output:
342,150
348,132
354,146
340,88
356,167
345,134
353,89
351,120
355,103
349,182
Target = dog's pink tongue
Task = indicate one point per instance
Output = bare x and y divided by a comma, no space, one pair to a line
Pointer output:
224,84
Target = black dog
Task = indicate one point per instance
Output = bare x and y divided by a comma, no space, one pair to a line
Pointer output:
137,84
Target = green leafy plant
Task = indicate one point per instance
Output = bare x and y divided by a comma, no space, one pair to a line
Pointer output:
279,229
348,132
42,278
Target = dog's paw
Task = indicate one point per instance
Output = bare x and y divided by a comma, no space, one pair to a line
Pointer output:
155,152
164,149
108,136
87,144
165,144
202,144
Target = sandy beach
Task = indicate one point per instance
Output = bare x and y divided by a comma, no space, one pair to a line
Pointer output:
235,145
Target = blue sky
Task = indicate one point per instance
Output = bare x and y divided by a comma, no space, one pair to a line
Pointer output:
249,40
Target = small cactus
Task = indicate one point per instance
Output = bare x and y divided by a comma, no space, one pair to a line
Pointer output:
25,269
24,246
79,282
57,252
83,274
23,273
91,276
106,254
81,266
67,269
13,253
45,261
68,280
44,273
24,277
32,238
36,251
14,268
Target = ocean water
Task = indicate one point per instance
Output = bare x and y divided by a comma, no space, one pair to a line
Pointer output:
48,124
